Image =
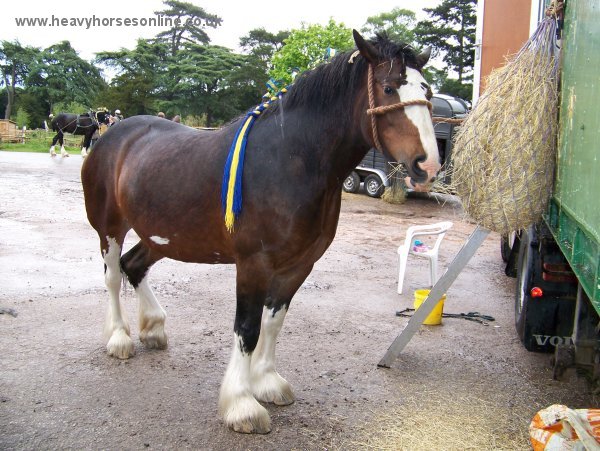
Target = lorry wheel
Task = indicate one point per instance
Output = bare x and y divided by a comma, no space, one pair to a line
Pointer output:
535,318
374,186
352,183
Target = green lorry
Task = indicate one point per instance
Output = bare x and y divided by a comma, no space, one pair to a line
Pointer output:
557,262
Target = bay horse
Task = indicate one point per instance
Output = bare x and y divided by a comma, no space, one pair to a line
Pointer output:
163,180
77,124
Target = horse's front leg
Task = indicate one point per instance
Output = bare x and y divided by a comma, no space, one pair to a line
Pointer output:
237,405
267,384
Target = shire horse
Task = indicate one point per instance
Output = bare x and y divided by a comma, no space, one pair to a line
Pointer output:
160,179
76,124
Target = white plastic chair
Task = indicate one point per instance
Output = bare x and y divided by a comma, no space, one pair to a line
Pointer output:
404,250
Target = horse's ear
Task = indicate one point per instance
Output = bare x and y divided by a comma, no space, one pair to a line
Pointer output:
366,49
423,57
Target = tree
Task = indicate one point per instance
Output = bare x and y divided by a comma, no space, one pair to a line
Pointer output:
398,24
15,63
191,21
203,74
141,77
60,75
451,33
263,44
259,46
305,48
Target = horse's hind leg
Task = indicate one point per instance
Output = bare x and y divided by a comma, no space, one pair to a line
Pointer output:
135,264
116,328
267,384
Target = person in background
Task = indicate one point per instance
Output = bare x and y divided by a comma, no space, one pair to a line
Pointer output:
177,119
161,114
118,115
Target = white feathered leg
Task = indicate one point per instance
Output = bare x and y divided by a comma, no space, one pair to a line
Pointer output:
116,328
152,317
267,384
238,407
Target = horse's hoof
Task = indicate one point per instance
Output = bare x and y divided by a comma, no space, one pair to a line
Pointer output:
273,388
155,338
120,345
247,416
64,155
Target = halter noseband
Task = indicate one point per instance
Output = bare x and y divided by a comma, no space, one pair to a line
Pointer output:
376,111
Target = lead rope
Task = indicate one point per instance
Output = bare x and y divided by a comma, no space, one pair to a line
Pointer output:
371,89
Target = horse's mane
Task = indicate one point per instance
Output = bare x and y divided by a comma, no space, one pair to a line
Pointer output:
330,85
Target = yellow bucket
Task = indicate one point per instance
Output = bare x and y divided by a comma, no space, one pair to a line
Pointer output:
435,317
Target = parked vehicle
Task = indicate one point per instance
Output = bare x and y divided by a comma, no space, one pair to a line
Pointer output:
557,262
375,170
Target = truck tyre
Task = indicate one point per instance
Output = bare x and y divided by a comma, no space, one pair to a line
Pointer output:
352,183
374,186
535,318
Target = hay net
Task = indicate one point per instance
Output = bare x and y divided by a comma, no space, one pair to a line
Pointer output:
504,153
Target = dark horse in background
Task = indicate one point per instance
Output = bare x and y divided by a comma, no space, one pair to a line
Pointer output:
76,124
163,180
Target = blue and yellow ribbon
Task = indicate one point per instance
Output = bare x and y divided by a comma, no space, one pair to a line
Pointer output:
231,189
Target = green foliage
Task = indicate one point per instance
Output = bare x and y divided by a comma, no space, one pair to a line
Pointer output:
21,118
204,78
69,107
15,64
60,75
305,48
451,33
398,24
192,21
263,44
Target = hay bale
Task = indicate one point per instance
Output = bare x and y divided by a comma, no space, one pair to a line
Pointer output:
396,192
504,153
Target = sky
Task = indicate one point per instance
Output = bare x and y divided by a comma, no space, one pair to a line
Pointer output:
238,19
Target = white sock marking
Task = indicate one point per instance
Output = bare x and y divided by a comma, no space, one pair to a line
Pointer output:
116,327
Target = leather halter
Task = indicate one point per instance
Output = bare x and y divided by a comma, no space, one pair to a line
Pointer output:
376,111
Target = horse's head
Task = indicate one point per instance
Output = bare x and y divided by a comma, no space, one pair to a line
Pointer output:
398,118
102,116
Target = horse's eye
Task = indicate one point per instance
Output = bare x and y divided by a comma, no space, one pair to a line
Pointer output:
387,90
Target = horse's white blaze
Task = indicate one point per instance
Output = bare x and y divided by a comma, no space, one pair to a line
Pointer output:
420,117
237,405
151,317
267,384
116,328
159,240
